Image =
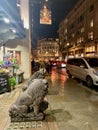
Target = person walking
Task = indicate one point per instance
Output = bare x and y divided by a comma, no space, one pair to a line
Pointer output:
48,67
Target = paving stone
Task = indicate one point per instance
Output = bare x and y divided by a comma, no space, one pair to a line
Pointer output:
28,125
33,124
39,124
16,123
9,129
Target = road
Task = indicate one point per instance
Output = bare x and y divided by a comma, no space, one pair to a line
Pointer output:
73,105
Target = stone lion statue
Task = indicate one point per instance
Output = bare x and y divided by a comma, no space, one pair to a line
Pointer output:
37,75
30,102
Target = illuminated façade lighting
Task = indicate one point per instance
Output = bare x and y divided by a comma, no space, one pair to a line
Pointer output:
6,20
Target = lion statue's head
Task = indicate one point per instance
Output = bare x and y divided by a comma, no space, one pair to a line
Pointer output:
37,75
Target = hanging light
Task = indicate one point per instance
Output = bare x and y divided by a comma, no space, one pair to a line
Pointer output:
45,15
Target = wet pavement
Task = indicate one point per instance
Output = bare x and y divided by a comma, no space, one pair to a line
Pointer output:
72,106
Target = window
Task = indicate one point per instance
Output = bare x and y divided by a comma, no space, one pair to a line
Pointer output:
18,56
77,62
81,62
93,62
65,31
82,29
90,36
80,40
91,23
91,8
81,18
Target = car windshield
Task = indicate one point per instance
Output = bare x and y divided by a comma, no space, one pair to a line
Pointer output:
93,62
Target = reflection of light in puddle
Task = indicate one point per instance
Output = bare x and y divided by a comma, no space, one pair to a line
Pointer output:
53,76
59,79
63,71
62,81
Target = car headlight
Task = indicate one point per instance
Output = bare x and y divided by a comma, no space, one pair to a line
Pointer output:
95,72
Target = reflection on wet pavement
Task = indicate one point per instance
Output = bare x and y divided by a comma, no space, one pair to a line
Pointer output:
72,106
58,80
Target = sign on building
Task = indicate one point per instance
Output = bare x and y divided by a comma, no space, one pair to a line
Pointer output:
4,83
45,15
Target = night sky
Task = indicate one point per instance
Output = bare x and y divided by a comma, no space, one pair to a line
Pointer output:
60,9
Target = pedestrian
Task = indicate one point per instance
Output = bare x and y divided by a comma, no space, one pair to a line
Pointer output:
42,65
37,66
32,65
48,67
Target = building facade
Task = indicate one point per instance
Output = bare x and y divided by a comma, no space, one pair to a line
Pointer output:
23,46
48,49
78,32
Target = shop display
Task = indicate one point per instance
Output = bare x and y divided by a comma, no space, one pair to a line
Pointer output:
9,68
12,82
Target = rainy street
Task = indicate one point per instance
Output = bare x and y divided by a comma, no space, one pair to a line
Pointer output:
73,105
45,46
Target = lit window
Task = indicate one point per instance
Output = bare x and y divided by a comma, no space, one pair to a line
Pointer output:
91,23
80,40
65,31
82,29
91,8
90,36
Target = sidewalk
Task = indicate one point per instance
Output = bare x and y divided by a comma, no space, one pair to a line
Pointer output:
6,99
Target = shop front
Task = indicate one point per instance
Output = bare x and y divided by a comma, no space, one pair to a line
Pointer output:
10,73
90,50
79,53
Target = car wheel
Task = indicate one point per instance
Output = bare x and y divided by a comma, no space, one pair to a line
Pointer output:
69,75
89,81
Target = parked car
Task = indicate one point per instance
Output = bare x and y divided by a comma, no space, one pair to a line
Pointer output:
85,68
61,64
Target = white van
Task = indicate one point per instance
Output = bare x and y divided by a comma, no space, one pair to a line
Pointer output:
84,68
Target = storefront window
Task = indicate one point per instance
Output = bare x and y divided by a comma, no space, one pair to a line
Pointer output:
18,56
